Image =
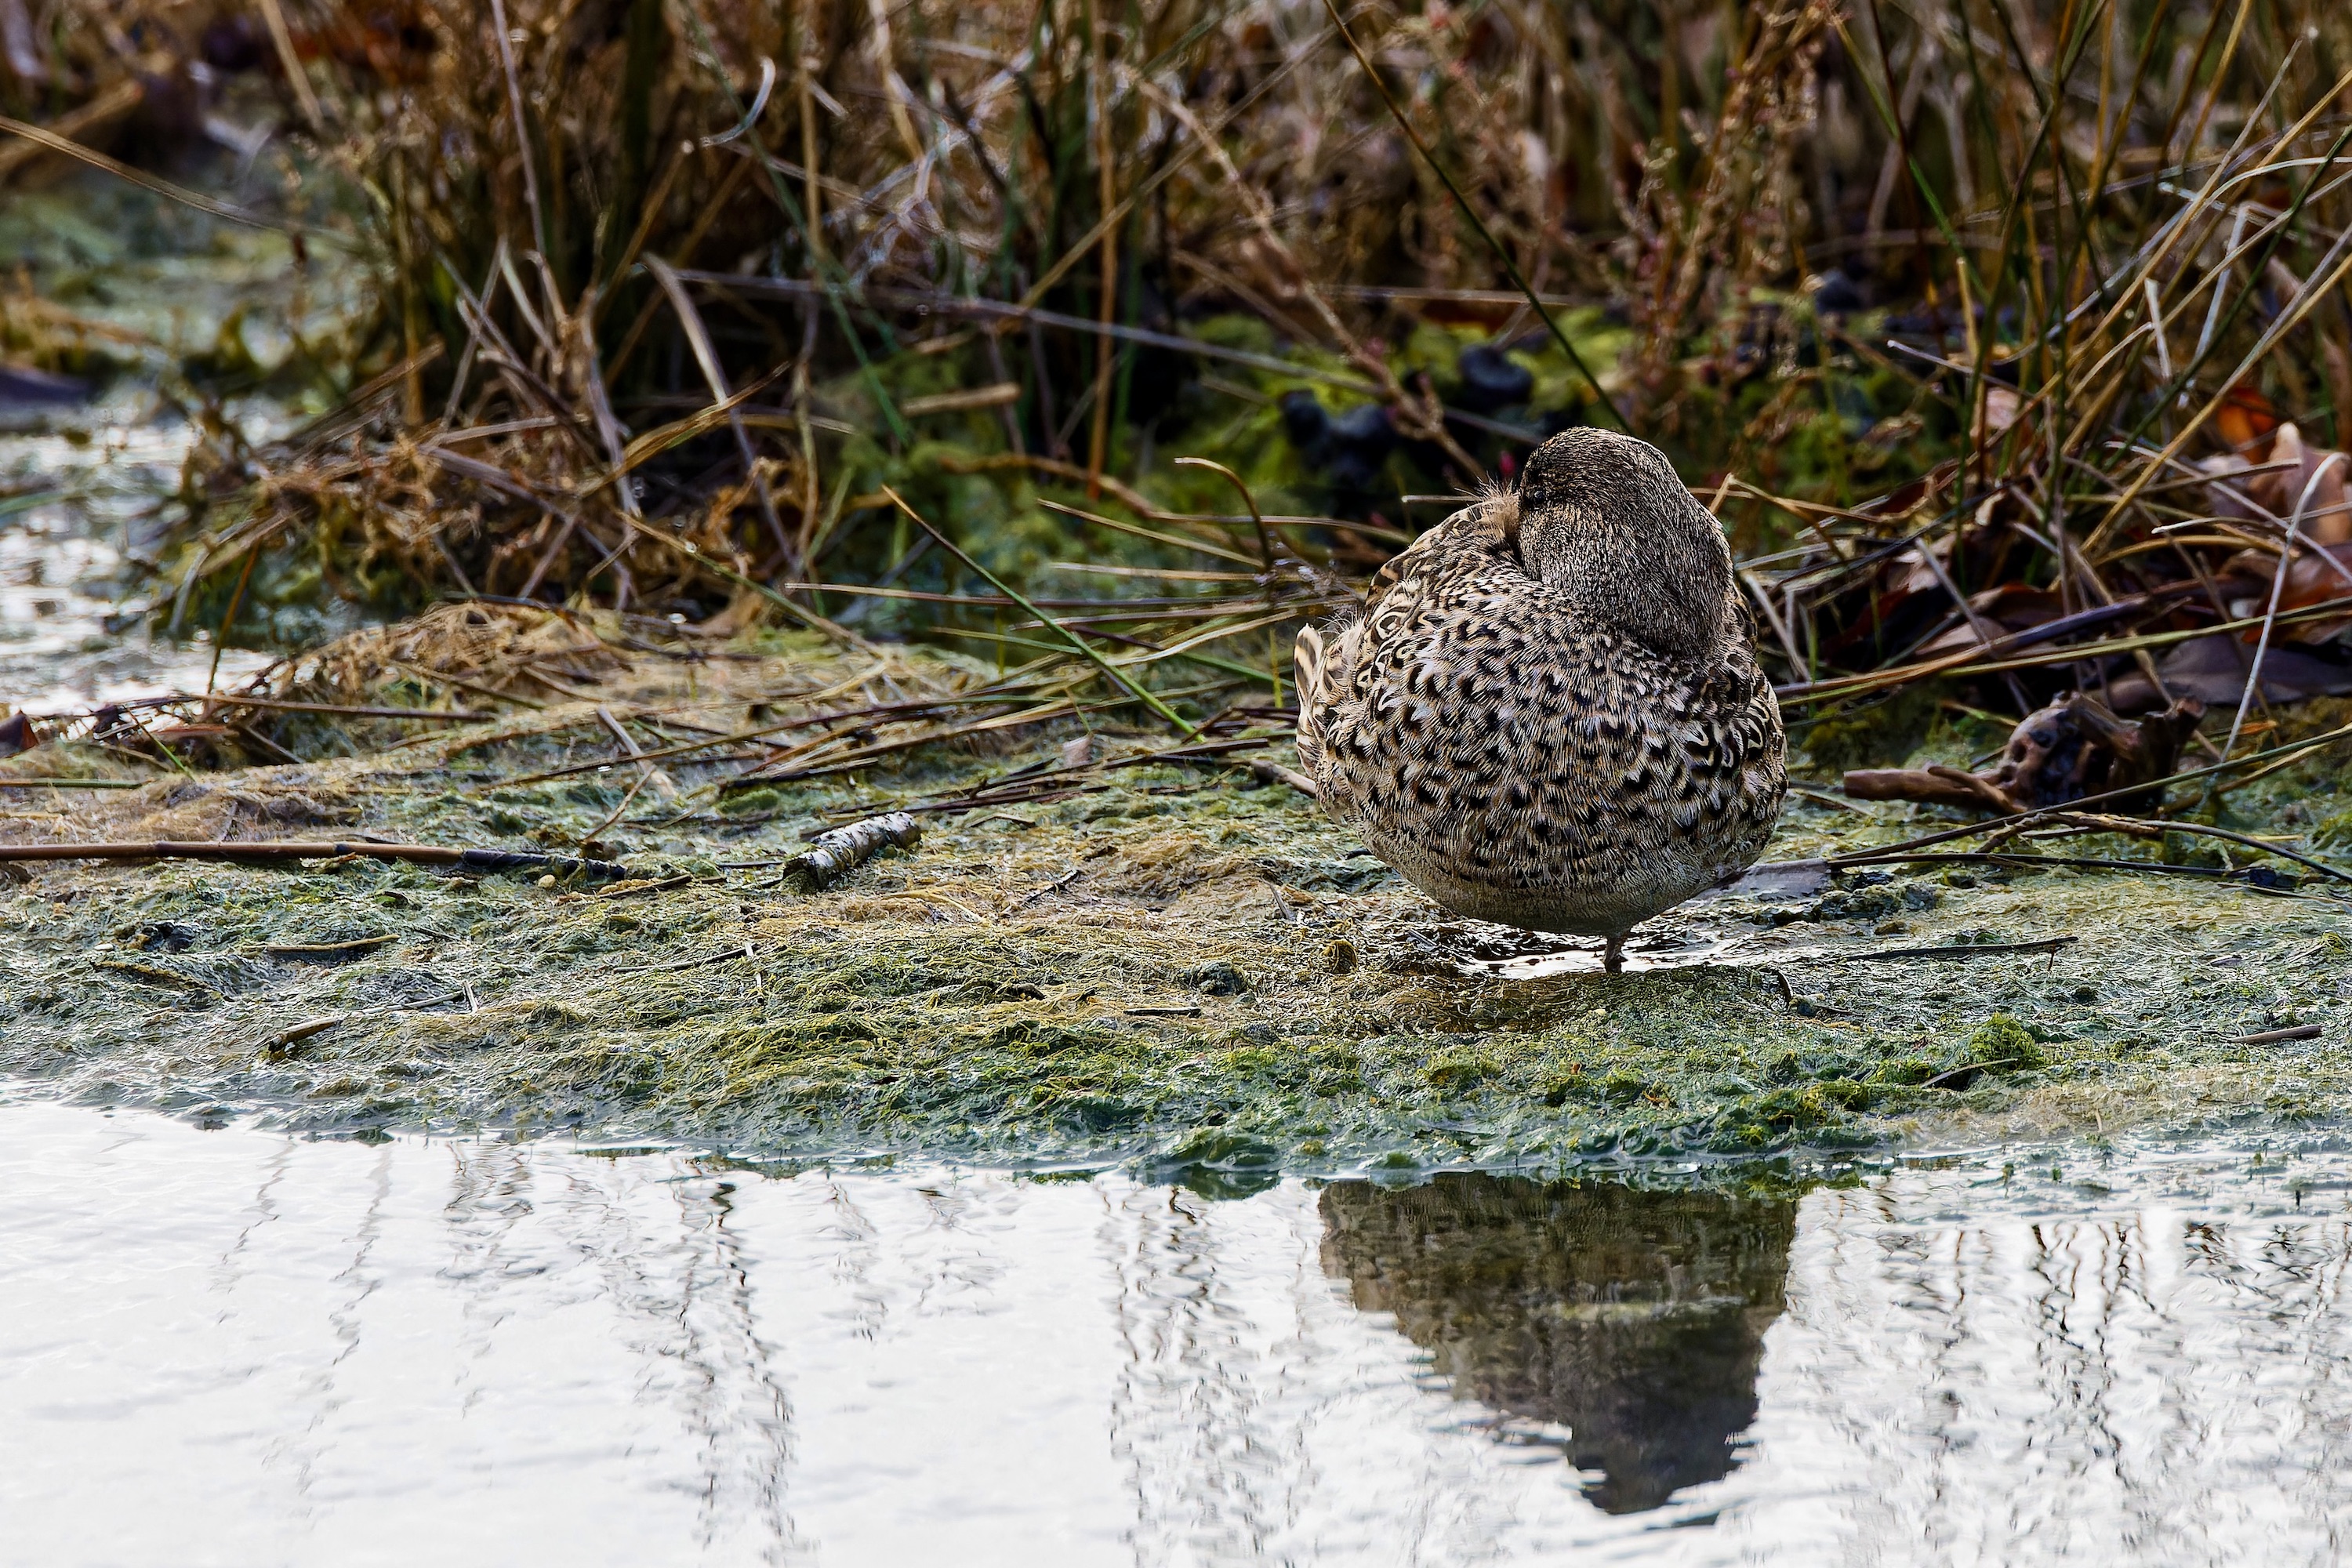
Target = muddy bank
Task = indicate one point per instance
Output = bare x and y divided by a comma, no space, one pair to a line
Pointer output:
1175,962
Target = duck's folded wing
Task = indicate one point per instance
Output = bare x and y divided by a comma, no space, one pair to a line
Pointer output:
1313,676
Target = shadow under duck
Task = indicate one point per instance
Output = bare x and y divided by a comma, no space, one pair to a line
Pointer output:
1548,713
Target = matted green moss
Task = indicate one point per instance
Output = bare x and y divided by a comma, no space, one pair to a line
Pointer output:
1182,966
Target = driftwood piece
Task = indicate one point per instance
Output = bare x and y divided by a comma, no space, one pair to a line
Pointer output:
2075,748
279,849
841,850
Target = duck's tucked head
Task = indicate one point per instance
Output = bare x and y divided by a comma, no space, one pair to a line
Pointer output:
1603,519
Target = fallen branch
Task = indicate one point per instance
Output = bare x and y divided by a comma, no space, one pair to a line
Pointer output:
1935,784
2279,1036
2258,878
330,952
342,710
281,1045
1961,950
2293,751
1970,1069
2074,749
277,849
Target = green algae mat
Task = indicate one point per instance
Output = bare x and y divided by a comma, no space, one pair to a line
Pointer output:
1180,963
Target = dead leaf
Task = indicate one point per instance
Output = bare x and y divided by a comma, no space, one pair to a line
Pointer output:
2245,420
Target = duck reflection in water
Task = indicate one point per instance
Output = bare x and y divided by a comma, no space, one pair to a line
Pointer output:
1635,1319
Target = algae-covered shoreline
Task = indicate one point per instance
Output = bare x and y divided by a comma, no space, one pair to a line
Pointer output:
1181,962
1172,964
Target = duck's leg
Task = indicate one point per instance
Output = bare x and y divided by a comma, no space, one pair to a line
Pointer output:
1612,959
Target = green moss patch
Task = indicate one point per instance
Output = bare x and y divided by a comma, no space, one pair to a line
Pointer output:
1177,966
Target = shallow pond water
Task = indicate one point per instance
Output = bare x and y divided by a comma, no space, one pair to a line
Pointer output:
141,283
78,491
232,1346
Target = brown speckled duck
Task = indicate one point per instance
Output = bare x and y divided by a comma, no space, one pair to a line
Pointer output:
1548,713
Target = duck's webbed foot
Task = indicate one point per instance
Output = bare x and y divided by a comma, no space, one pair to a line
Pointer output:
1612,957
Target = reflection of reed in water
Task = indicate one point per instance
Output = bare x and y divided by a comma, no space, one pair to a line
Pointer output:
1204,1465
649,1241
2166,1384
1634,1319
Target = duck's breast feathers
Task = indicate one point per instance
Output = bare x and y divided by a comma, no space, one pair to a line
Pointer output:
1519,746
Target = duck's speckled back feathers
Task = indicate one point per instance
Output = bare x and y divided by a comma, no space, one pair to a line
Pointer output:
1549,714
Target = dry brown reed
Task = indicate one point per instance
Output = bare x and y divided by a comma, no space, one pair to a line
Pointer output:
685,295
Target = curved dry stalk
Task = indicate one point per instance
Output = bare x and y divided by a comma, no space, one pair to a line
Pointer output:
165,188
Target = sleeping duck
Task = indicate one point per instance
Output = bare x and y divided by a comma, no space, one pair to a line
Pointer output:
1548,713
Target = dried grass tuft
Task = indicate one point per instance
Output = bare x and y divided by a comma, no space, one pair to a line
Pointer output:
482,650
